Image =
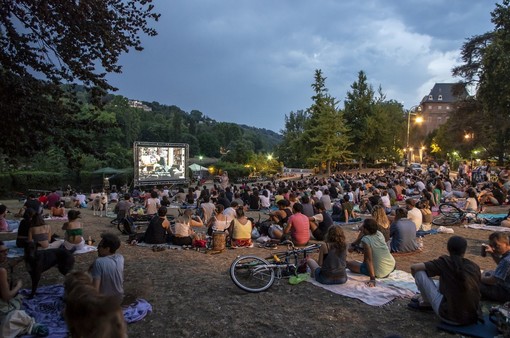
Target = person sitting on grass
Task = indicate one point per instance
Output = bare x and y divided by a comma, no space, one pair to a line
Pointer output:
320,223
158,231
183,232
13,320
40,233
74,232
496,284
344,211
240,230
298,227
403,233
58,209
377,259
457,298
426,215
330,268
107,271
218,221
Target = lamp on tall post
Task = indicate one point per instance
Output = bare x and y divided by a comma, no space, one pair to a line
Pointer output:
414,110
470,137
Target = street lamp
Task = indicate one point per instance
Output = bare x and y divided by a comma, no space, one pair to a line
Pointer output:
470,137
418,119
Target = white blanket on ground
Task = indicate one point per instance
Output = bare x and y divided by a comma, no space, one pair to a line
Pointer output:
399,284
487,227
14,251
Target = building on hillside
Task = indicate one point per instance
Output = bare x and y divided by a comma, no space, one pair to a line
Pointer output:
139,105
437,106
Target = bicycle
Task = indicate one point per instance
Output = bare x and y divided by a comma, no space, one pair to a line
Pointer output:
254,274
451,214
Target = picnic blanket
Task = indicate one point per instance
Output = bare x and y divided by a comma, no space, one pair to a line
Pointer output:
487,227
490,216
47,306
13,225
14,251
399,284
55,218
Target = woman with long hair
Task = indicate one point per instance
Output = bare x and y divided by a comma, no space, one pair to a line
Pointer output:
240,230
383,222
219,221
330,268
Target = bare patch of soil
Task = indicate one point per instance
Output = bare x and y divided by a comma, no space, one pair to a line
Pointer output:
192,294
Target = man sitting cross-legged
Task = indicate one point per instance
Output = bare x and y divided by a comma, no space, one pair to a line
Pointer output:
457,298
108,269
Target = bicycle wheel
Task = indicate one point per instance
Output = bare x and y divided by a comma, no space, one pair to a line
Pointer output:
445,220
451,211
252,273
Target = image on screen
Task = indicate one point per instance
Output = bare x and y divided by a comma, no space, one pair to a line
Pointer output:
160,163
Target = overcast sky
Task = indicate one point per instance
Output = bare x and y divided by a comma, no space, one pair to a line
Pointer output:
253,61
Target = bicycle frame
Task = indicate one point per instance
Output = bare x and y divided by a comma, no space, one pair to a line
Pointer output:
254,274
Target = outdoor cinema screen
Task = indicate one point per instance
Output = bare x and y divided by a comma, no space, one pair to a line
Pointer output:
160,163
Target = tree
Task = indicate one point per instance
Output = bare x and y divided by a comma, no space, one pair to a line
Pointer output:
292,150
325,131
70,40
45,43
358,108
486,60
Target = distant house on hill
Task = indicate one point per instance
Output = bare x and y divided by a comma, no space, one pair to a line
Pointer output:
437,106
139,105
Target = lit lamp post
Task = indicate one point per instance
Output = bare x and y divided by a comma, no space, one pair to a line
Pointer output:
418,119
470,137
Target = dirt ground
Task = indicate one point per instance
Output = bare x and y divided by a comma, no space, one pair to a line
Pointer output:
192,294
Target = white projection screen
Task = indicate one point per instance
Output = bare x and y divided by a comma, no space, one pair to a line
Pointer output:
159,163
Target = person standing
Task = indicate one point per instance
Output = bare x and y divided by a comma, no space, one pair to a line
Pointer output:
107,271
457,298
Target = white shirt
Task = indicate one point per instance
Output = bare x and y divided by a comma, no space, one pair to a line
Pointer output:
415,215
386,201
230,213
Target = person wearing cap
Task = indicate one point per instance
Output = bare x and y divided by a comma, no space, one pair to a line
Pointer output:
74,231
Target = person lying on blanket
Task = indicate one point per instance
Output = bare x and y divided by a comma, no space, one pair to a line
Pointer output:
496,284
377,259
457,298
13,320
330,268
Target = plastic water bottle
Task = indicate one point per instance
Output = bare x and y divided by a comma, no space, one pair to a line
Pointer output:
420,242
